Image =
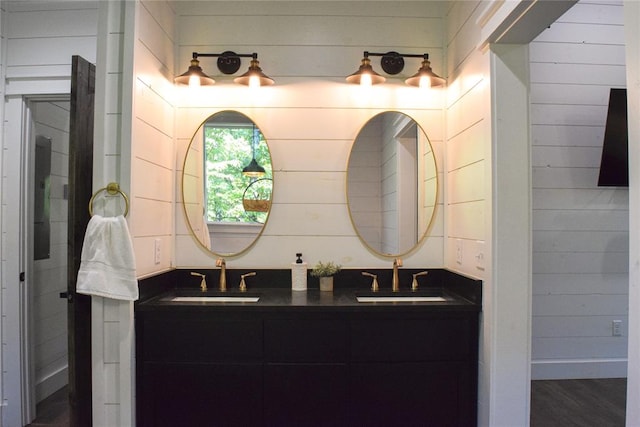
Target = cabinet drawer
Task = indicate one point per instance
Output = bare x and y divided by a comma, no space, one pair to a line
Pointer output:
186,340
405,340
415,394
212,395
309,395
306,340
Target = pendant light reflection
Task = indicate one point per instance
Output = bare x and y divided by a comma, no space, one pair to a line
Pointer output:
253,169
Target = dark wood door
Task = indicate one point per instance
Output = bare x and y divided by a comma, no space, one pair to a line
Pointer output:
80,190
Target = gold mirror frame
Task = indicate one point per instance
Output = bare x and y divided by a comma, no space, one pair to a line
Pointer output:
193,193
381,149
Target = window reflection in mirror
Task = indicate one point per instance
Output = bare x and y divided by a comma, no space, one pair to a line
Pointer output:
391,184
227,183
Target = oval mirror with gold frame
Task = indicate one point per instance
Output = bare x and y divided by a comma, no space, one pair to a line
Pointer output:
227,183
392,184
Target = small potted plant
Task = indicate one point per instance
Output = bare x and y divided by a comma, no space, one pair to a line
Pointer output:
324,271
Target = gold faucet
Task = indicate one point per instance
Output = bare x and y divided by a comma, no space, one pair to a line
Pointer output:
203,282
374,283
243,285
414,284
220,262
395,282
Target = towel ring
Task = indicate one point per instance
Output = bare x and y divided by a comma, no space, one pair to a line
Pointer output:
112,188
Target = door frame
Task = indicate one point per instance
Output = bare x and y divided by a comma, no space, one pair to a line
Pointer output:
18,366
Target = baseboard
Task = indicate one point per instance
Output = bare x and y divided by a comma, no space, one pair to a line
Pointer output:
52,383
578,368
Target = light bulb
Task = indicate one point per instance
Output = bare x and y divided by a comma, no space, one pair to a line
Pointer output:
425,82
254,81
194,81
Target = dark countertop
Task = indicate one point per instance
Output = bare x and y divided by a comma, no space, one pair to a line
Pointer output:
460,293
279,299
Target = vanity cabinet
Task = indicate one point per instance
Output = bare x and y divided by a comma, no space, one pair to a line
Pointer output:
413,370
306,370
342,365
199,371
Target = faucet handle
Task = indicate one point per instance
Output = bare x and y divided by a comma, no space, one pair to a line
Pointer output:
243,285
374,283
414,283
203,282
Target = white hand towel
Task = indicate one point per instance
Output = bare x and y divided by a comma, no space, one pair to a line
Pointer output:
107,263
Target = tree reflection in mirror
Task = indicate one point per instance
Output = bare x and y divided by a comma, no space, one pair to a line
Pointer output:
225,208
228,149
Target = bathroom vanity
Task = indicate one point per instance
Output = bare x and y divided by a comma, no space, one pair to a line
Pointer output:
309,358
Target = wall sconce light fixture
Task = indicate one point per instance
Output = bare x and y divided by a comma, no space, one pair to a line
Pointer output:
228,63
393,63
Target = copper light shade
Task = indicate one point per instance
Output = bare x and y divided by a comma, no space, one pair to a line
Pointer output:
365,74
228,63
254,76
194,76
425,77
393,63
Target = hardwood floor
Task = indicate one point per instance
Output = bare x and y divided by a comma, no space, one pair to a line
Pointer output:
554,403
53,411
580,403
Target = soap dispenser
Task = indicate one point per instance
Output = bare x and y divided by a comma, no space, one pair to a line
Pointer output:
299,274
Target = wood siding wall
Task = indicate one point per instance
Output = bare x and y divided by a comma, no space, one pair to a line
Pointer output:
134,146
580,231
467,159
311,117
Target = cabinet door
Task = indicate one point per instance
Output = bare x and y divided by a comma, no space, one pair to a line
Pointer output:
180,394
307,395
409,394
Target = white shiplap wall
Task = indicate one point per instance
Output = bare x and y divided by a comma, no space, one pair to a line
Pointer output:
152,145
134,127
311,117
467,154
580,231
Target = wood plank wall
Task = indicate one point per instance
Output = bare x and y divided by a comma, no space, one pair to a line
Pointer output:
153,150
311,117
467,168
580,231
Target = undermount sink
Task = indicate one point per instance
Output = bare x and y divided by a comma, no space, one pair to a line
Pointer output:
400,298
228,298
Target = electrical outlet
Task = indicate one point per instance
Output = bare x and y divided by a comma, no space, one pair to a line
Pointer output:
157,253
616,328
459,251
480,255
